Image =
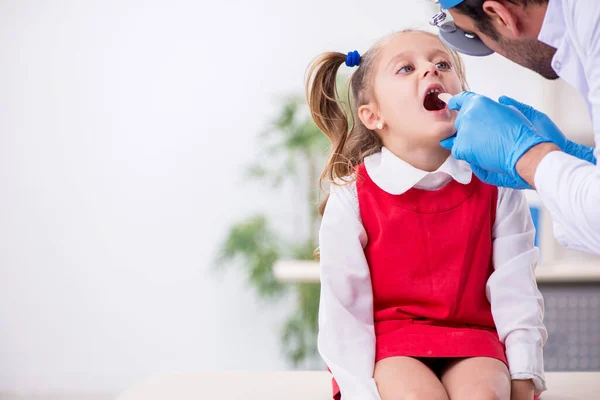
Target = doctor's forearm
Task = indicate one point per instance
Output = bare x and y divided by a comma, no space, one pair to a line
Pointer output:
528,163
569,187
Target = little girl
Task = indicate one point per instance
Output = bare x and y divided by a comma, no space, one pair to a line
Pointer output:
428,285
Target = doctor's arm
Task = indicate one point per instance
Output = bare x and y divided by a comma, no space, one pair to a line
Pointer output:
568,186
346,339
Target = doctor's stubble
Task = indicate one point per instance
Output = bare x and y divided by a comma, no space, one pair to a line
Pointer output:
531,54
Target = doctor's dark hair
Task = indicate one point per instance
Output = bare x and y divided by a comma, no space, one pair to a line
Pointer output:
351,141
474,10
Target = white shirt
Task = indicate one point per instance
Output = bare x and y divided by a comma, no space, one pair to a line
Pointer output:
569,187
346,328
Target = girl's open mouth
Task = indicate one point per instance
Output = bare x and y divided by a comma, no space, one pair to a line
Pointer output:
432,102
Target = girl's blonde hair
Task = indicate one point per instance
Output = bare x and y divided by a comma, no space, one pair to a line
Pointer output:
351,141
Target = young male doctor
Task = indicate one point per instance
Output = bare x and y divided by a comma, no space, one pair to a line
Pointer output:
511,144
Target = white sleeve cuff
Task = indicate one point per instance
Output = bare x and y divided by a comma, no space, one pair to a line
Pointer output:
545,174
570,190
526,361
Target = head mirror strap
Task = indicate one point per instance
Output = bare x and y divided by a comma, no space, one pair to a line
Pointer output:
454,37
446,4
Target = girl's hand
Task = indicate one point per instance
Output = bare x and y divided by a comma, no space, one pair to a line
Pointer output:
521,390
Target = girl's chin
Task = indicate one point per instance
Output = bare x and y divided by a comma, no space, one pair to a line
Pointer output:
445,130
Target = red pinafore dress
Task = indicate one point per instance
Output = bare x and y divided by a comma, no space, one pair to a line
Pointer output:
430,257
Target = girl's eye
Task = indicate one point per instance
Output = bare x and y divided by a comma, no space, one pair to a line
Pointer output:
406,69
443,65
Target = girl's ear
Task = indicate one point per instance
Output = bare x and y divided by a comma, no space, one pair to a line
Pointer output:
368,116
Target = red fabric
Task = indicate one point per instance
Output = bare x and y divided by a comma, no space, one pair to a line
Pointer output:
430,256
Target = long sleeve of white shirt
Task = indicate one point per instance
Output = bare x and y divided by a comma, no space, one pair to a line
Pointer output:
517,304
570,190
346,332
569,187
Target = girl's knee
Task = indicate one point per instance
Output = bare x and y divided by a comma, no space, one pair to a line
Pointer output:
427,391
425,395
416,395
484,392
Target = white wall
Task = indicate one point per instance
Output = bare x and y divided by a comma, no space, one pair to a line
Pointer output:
124,128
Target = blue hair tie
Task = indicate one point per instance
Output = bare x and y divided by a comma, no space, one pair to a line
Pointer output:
353,59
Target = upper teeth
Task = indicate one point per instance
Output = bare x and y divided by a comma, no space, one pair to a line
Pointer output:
433,91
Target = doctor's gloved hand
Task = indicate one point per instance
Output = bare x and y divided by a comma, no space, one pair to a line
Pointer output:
546,127
491,137
496,179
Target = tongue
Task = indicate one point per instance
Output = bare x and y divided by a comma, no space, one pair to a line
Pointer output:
433,103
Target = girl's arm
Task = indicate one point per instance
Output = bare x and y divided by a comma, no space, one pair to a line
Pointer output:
346,333
517,304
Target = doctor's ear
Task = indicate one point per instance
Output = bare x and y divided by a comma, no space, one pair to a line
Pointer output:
505,17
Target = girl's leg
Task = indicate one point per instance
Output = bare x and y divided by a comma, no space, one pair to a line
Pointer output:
406,378
480,378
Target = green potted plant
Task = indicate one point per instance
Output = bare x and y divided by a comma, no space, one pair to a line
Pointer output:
293,150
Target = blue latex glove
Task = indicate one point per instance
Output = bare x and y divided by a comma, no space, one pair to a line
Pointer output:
491,137
495,179
546,127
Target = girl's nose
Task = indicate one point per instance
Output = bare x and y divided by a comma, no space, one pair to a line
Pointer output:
431,69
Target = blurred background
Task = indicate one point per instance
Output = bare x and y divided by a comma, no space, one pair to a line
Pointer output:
158,188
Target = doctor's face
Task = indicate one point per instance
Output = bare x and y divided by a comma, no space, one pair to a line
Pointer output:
529,53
